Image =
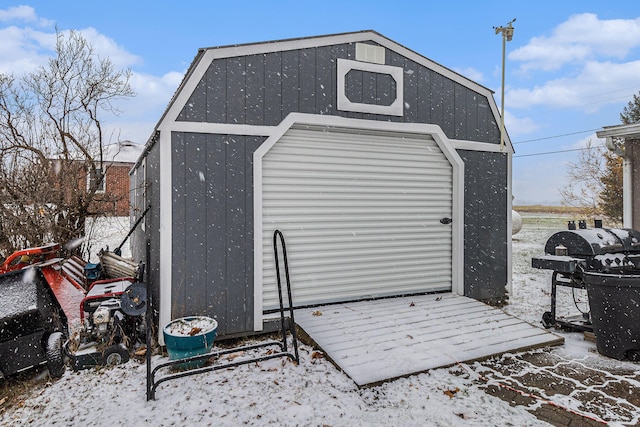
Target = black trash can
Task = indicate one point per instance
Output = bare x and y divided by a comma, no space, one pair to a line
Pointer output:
614,300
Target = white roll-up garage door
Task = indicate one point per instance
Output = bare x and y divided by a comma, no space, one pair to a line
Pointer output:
361,214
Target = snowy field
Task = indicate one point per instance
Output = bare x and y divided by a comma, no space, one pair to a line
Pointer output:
313,393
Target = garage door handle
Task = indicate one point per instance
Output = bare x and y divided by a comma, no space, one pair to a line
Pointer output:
446,221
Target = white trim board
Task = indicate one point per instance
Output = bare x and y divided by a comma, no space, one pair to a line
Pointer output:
396,108
165,232
261,130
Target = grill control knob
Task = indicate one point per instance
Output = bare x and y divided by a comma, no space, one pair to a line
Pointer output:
561,250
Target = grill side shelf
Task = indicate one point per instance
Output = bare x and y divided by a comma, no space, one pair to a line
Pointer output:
560,263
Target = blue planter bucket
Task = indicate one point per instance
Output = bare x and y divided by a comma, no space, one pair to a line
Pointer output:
190,336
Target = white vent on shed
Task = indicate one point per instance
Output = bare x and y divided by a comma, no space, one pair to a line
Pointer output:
370,53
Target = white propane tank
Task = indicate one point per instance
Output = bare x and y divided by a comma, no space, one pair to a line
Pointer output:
516,222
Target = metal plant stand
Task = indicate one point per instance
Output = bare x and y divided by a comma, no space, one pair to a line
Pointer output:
281,345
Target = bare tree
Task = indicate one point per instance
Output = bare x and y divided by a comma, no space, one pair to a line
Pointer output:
595,180
584,176
52,144
595,183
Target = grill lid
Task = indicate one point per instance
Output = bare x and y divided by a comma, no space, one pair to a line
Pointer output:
595,241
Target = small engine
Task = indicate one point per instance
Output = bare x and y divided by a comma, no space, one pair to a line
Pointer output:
113,313
106,318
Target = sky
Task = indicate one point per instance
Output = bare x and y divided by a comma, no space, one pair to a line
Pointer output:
571,68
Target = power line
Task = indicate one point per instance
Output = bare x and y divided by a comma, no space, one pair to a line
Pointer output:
553,152
556,136
580,105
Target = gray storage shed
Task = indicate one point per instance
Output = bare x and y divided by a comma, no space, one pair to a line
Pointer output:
382,168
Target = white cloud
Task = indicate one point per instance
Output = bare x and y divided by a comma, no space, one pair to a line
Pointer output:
141,113
470,73
23,14
539,182
543,54
152,94
154,86
517,126
581,38
591,139
586,65
597,84
106,47
126,130
24,48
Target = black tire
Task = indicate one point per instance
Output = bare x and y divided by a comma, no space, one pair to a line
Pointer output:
633,355
115,355
547,320
55,354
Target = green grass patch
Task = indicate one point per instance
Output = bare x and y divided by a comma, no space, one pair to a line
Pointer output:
565,210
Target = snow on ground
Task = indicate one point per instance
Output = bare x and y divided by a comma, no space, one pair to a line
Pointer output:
105,233
270,393
313,393
531,294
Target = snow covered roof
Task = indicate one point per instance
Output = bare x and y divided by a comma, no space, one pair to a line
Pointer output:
123,152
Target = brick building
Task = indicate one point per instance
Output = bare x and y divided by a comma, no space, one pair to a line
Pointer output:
113,193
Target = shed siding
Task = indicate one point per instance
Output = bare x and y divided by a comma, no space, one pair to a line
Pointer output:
213,228
308,84
255,99
264,89
145,189
485,201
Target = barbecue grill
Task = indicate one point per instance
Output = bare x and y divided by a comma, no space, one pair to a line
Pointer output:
574,254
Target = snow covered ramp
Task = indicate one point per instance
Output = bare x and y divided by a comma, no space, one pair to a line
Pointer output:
379,340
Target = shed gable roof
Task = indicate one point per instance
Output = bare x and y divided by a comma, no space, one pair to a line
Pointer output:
334,39
186,95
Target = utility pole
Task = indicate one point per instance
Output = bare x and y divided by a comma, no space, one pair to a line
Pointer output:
507,35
